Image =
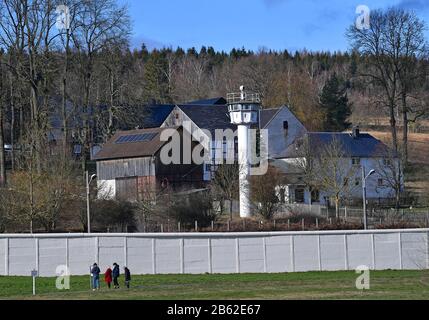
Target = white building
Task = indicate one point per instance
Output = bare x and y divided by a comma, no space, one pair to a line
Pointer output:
357,151
285,133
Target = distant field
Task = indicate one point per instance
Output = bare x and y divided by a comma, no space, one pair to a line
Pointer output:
309,285
418,145
417,180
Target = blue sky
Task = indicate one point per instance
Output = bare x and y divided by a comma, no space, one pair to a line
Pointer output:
274,24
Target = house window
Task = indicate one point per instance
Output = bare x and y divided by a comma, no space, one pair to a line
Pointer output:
387,162
285,125
355,161
380,182
299,195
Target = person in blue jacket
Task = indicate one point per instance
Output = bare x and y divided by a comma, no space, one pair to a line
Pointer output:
115,275
95,274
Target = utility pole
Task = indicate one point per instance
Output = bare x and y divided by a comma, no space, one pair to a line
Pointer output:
88,182
364,177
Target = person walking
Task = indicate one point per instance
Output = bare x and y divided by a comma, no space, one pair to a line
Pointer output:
108,277
115,274
95,274
127,275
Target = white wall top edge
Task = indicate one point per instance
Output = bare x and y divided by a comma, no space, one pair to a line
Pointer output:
208,234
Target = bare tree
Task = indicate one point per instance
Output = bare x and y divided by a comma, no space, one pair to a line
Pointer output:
392,47
101,24
225,184
40,196
380,52
2,151
328,168
411,67
28,27
264,192
389,170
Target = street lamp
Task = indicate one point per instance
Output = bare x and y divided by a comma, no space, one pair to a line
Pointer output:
364,177
88,181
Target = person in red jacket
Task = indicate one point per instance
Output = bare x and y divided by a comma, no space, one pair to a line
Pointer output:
108,277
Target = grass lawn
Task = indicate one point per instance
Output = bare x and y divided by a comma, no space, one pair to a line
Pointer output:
308,285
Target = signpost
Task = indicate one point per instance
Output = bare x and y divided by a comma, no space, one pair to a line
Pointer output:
34,274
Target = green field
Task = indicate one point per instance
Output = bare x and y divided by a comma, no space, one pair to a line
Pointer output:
308,285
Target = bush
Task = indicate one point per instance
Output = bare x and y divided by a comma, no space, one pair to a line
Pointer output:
114,214
193,207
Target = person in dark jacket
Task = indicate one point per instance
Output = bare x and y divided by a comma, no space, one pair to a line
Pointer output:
115,274
127,275
108,277
95,274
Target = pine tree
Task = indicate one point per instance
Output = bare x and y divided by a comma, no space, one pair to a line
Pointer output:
335,104
155,83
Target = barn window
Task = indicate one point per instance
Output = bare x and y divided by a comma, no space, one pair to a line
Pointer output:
285,125
126,166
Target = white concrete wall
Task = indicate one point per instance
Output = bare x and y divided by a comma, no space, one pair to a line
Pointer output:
216,252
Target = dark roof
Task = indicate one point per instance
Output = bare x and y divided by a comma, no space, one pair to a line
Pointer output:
155,115
212,101
363,146
266,115
114,150
208,117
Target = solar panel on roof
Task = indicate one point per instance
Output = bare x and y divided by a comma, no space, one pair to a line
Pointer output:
136,137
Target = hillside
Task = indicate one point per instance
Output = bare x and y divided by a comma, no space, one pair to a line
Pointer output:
418,145
417,177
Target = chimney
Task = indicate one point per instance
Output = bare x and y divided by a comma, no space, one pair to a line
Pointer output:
355,132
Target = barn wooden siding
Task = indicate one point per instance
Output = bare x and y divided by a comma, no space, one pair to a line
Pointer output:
122,168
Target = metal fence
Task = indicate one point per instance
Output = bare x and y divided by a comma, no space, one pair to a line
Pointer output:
377,217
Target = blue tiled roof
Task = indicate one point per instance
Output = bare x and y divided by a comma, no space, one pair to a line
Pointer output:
265,116
204,102
362,146
216,116
208,117
155,115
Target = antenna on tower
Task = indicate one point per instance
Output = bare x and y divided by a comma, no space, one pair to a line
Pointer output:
242,93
